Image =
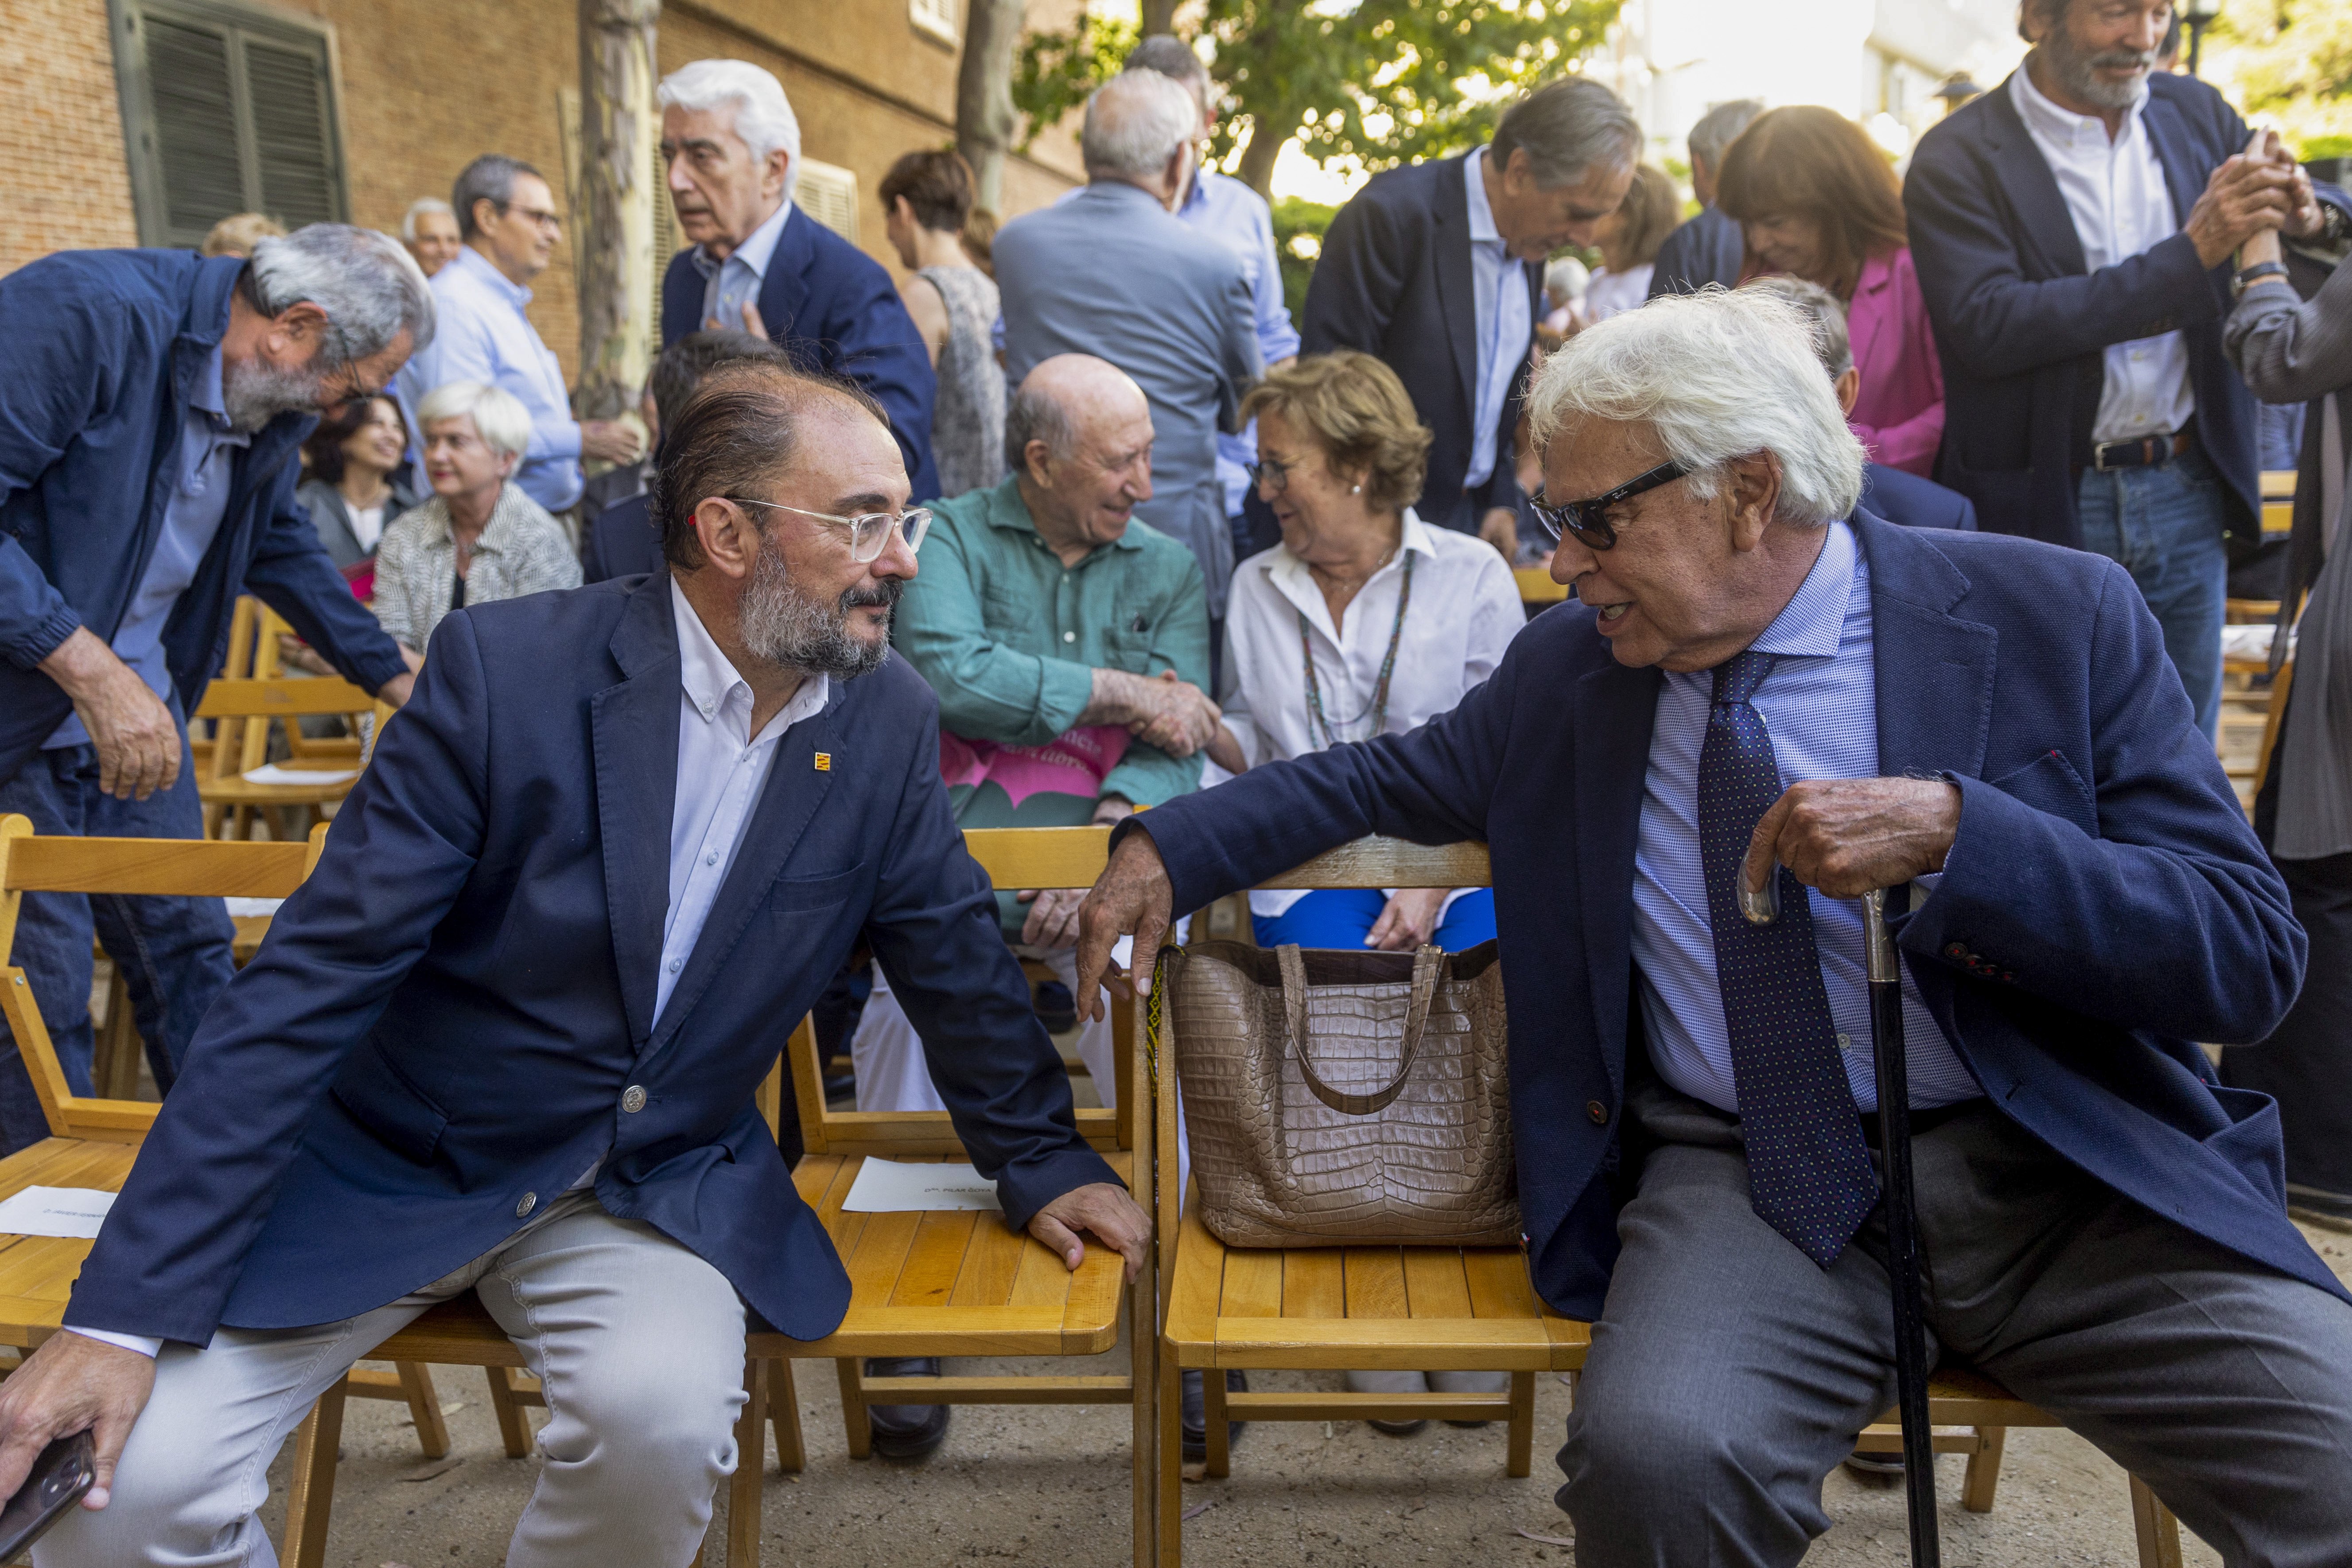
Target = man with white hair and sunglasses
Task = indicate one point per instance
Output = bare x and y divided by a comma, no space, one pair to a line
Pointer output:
152,405
1764,682
758,263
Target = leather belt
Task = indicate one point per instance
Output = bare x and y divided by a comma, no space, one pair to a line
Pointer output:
2143,453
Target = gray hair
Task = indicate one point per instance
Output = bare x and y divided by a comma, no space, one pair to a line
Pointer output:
370,286
1034,413
1172,57
763,115
1717,375
489,178
418,209
498,416
1719,128
1824,318
1135,123
1567,127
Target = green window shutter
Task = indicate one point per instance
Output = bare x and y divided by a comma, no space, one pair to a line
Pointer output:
292,142
194,128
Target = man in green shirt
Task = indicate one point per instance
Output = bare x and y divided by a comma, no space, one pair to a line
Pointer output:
1068,642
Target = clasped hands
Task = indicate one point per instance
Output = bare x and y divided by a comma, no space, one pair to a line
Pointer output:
2260,190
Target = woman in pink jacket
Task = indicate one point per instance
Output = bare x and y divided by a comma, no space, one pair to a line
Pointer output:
1817,198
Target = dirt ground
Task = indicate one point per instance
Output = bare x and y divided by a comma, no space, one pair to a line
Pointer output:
1049,1487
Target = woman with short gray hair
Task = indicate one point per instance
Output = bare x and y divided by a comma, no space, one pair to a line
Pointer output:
479,539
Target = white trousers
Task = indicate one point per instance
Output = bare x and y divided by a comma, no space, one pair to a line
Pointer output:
638,1343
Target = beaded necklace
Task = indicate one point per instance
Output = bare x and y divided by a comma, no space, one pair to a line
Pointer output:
1378,710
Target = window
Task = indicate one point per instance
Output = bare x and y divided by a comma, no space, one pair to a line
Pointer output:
936,18
828,192
225,109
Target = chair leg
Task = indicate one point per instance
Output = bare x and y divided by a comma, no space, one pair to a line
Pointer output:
852,1409
1984,1469
1220,1431
424,1408
311,1500
1520,1460
514,1428
1143,1389
2158,1531
750,1465
785,1415
1172,1461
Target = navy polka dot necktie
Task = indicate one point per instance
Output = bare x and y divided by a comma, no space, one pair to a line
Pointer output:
1809,1171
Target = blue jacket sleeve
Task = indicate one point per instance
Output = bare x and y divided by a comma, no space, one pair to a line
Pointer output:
403,844
58,363
2172,918
1359,278
874,342
1431,785
933,926
294,575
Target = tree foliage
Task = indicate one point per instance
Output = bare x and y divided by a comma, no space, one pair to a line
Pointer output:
2289,61
1380,81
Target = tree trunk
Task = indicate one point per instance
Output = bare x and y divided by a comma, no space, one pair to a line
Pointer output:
614,216
1159,17
1258,156
984,117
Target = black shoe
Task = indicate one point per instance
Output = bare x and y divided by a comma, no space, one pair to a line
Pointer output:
1875,1469
1196,1414
905,1431
1057,1008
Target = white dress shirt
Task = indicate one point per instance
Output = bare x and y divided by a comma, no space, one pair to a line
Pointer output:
721,769
728,285
2116,192
1464,612
1498,290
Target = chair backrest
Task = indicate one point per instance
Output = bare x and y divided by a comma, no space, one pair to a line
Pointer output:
185,868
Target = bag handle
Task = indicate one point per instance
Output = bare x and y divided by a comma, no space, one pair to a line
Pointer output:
1426,962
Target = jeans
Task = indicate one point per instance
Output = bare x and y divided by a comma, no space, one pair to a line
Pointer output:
174,953
2163,525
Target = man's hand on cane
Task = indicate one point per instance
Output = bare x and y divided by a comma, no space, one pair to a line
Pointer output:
72,1384
1849,836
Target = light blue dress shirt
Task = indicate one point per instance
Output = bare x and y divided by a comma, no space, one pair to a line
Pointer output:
205,460
482,335
1821,705
730,285
1224,207
1498,288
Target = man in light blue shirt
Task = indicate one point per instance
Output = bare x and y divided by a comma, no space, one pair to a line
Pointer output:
507,215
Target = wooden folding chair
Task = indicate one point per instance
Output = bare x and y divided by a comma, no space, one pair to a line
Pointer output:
252,695
93,1141
1365,1308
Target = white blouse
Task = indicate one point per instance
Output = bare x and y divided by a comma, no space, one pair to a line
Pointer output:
1464,612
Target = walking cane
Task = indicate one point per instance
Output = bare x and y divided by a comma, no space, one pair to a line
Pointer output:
1885,969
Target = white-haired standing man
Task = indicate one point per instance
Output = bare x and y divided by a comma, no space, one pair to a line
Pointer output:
1762,682
758,263
151,404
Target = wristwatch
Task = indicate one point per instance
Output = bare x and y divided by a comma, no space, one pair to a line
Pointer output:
2248,275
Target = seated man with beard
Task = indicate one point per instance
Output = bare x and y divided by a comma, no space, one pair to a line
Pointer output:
506,1038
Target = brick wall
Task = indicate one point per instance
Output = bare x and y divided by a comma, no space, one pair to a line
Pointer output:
427,85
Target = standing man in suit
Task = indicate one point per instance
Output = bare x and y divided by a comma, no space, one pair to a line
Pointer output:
758,263
1436,268
1112,272
1761,683
1710,247
507,1036
2073,230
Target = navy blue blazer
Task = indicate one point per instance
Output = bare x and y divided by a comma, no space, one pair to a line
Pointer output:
833,309
2104,902
623,542
2023,324
1913,502
1707,248
99,352
1394,281
438,1030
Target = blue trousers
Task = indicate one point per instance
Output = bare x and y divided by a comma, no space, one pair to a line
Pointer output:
2163,525
174,953
1343,916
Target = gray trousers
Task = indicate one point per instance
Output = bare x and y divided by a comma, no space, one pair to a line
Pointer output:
1729,1375
639,1345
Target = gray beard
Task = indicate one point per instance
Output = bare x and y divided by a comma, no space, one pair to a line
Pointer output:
2077,72
255,393
785,626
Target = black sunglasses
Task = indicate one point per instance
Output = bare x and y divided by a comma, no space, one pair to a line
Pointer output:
1586,520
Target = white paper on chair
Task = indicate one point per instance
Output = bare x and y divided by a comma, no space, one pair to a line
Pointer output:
271,773
890,1186
55,1211
251,908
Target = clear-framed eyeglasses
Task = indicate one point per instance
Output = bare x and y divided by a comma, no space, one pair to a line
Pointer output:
869,532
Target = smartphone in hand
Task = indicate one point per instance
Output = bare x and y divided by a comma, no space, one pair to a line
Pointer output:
66,1470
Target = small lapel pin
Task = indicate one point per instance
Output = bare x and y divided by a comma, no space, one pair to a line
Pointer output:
825,762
